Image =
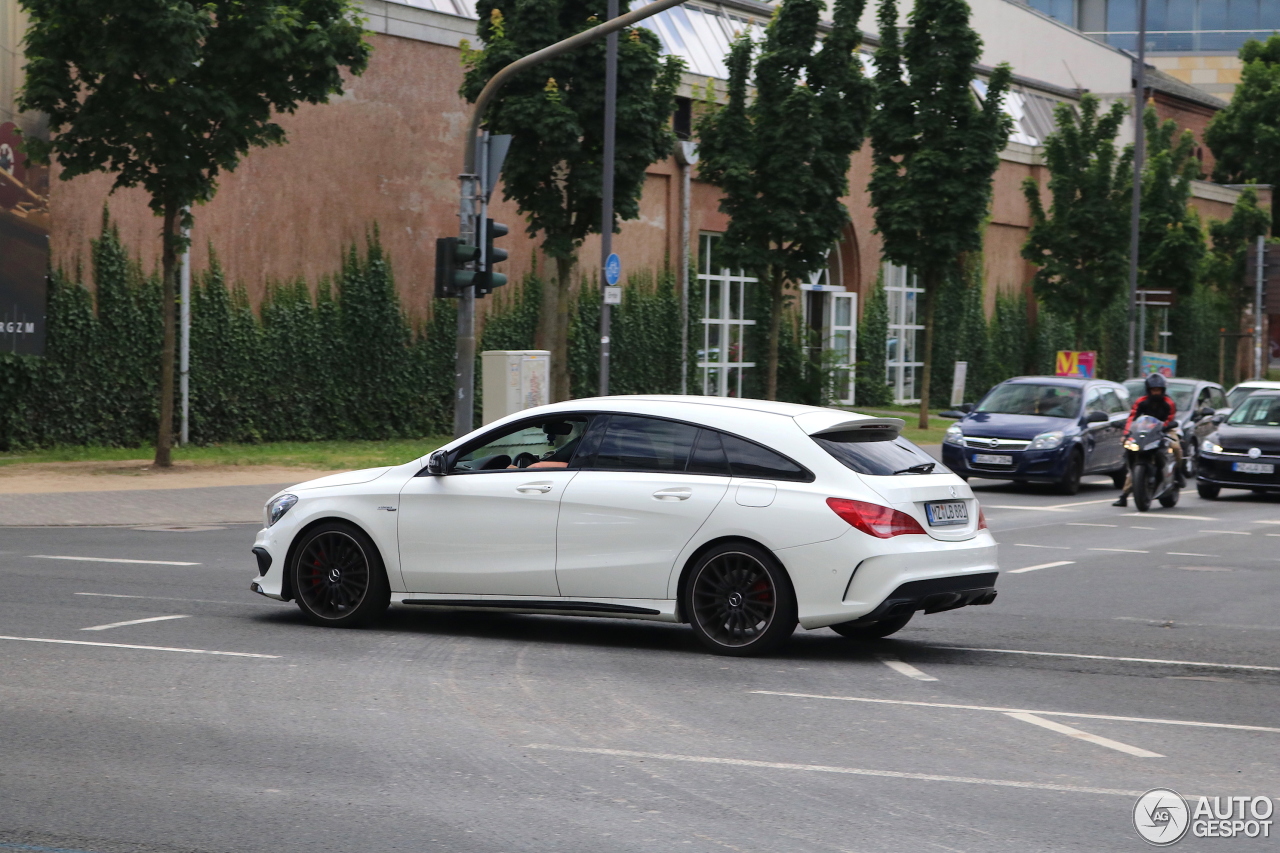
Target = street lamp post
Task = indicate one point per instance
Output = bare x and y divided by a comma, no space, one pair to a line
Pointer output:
464,373
1139,152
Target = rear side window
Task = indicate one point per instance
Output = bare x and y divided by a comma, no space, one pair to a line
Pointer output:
879,458
748,459
634,443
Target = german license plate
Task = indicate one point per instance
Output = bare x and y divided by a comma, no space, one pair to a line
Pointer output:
1253,467
991,459
947,512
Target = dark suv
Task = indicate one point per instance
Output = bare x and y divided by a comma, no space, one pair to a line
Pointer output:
1041,429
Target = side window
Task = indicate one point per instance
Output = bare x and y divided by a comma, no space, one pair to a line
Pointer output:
547,443
708,455
1217,398
1093,400
1111,402
748,459
632,443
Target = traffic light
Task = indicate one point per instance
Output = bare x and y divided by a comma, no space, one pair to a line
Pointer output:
451,258
489,279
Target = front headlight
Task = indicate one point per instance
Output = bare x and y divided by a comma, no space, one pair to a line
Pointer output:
954,435
278,507
1047,440
1209,447
1131,445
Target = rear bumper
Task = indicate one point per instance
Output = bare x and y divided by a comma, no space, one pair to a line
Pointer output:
934,596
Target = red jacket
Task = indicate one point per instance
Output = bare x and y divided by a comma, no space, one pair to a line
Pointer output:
1161,408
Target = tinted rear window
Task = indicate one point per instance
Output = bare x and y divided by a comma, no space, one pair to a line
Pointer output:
748,459
879,458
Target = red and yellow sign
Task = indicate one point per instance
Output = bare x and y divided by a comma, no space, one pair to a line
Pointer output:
1076,364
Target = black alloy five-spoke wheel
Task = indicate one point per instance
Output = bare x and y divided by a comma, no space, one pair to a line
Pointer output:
739,601
338,577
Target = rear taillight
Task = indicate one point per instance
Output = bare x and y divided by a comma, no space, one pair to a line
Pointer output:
881,522
982,519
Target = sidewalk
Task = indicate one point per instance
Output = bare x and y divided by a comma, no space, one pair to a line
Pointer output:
132,493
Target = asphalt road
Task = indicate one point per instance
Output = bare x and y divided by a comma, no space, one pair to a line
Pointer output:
1141,653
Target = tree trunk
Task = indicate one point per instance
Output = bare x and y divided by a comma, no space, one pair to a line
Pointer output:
932,284
776,282
560,337
168,296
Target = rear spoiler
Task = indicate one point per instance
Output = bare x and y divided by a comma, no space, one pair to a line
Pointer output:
862,429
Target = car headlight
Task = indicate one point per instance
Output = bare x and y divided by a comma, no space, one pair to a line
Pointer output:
1209,447
278,507
954,435
1047,440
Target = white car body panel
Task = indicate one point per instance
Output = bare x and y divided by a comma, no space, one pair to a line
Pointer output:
475,538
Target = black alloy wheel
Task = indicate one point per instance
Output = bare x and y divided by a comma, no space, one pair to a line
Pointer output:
1143,474
874,631
1070,482
739,601
338,577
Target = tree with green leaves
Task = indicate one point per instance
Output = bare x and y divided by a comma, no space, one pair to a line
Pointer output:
1224,265
782,158
1081,244
1171,240
1245,137
555,114
168,94
935,149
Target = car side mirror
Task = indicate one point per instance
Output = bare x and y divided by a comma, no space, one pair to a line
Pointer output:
965,407
436,463
1097,418
1218,418
1205,412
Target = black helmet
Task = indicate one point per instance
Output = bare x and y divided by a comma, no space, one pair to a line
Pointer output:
1155,380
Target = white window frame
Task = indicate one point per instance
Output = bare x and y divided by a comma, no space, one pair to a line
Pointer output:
717,322
902,290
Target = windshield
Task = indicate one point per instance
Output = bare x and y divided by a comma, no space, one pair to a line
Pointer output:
1239,394
1257,411
1146,423
1027,398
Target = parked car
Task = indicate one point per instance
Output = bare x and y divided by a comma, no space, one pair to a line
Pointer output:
1237,394
1041,429
739,517
1196,402
1243,452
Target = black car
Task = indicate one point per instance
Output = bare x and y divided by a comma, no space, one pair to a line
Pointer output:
1041,429
1243,452
1196,402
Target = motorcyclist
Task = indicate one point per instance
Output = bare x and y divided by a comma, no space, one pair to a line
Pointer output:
1158,404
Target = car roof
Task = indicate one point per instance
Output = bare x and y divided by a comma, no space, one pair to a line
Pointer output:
1267,384
1069,381
772,407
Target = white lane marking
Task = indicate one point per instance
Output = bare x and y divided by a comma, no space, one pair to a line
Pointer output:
254,601
1043,566
1230,532
1084,736
1265,522
1193,723
1179,517
822,768
1082,503
1136,527
112,560
1248,666
1050,547
135,622
142,648
1188,554
1271,534
1088,524
1121,550
1016,506
905,669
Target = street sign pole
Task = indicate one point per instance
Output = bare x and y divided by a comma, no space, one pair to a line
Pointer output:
1257,308
184,346
606,189
465,365
1139,152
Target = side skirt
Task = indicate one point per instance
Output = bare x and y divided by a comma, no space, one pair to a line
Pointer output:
658,610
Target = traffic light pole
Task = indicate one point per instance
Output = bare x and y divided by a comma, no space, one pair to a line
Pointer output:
468,216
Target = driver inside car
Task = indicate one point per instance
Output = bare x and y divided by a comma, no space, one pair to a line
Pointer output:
558,457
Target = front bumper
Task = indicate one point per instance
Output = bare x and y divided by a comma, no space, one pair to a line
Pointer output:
1217,471
1037,466
270,551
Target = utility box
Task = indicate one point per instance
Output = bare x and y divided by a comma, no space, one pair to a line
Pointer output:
514,380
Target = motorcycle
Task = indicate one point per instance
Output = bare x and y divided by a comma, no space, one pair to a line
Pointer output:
1152,465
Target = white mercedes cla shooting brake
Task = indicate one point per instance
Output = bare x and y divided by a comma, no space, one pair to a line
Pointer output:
739,517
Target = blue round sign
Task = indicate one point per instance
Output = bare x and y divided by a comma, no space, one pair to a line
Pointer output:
612,269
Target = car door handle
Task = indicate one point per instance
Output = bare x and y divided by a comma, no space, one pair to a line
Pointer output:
676,494
534,488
